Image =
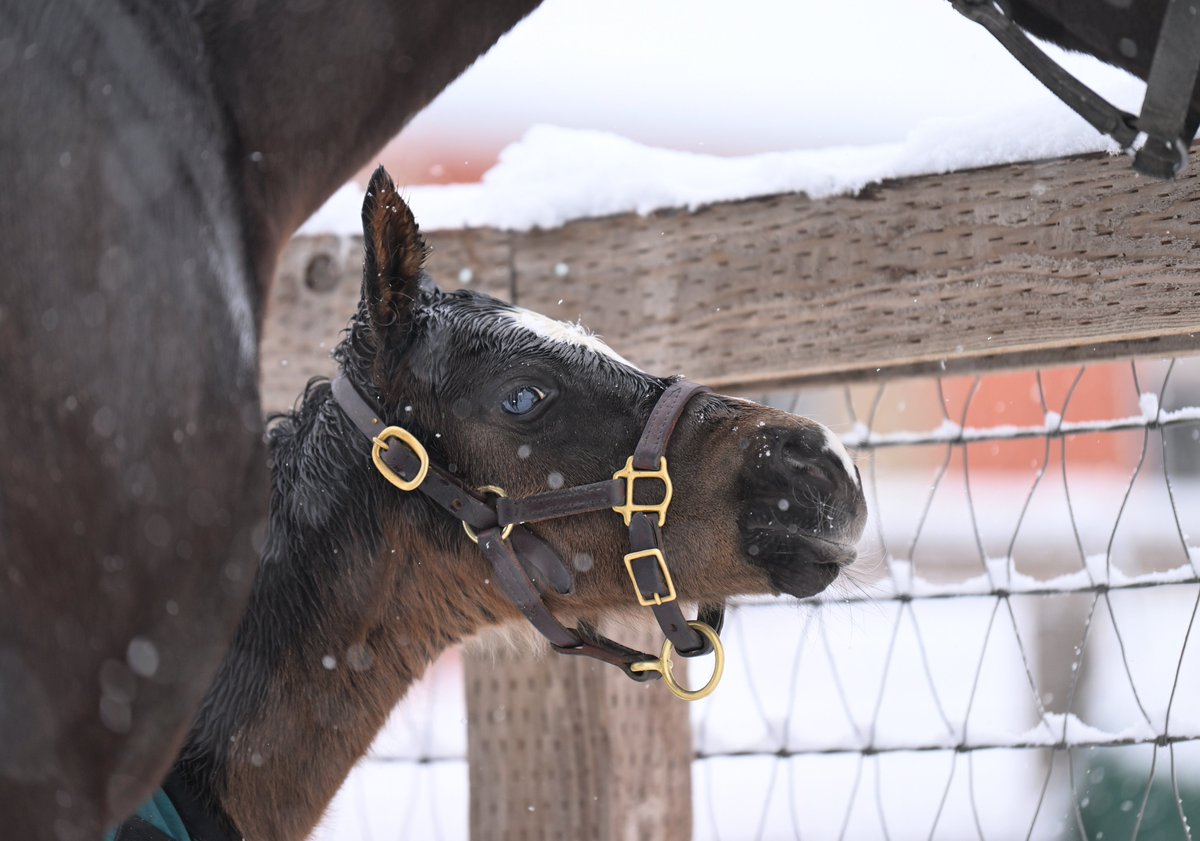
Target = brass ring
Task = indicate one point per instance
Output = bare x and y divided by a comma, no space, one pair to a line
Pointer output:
663,666
504,532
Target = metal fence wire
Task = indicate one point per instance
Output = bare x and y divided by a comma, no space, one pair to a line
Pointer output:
1011,657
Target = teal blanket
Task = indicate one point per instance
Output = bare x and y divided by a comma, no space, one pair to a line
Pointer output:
160,812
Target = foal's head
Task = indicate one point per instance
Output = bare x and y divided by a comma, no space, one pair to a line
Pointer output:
763,501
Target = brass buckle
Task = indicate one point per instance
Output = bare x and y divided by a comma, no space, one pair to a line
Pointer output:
662,564
504,532
631,474
413,444
663,666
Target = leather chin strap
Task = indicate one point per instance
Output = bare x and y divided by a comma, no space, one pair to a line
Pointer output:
527,569
1165,119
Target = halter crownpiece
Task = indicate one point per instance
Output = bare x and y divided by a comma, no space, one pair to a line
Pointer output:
526,567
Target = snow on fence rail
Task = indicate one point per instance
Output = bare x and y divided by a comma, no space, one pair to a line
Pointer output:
1012,656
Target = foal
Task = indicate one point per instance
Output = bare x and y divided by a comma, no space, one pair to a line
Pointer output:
362,585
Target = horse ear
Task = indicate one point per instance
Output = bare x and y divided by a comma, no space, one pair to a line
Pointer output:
395,255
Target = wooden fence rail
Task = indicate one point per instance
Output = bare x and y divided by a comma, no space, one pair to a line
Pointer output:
1016,265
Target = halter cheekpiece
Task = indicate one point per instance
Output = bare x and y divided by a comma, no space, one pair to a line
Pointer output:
526,567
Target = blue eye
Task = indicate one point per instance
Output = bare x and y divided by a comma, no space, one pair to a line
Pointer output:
522,400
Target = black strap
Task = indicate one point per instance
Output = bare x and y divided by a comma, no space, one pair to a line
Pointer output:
602,648
542,564
648,573
580,499
1165,117
355,407
440,486
1169,88
664,417
1101,114
517,587
511,577
647,560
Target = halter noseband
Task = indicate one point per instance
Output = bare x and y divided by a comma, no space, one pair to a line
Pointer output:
526,567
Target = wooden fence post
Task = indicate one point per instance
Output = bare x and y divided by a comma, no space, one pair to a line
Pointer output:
569,748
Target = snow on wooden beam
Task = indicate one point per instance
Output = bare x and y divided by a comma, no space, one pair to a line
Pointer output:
1023,264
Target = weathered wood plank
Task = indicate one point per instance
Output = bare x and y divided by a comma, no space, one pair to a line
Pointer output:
1033,263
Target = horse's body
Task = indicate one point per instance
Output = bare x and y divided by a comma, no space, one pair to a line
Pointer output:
133,472
156,155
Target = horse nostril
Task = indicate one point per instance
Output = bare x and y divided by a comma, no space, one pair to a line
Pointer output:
801,460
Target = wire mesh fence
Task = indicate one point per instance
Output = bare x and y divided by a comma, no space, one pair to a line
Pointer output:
1010,658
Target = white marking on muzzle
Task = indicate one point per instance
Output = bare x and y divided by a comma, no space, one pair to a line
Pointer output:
833,444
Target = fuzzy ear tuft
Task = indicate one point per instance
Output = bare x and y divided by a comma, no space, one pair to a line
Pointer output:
395,255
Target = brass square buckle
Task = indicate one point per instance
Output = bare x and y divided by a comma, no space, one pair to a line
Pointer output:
657,598
410,441
631,474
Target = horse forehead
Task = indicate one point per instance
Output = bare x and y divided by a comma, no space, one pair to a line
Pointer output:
562,332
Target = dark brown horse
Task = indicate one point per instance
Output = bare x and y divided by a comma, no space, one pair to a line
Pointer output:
156,155
361,585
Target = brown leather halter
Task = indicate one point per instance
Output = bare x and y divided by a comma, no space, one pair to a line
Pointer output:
526,567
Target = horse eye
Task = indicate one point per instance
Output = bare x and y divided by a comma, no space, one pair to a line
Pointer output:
522,400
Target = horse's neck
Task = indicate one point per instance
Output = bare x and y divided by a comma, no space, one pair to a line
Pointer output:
346,613
313,94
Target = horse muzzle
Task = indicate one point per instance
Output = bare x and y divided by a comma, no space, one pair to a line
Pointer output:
803,509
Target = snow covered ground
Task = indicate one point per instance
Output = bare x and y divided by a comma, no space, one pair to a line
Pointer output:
635,106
